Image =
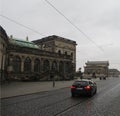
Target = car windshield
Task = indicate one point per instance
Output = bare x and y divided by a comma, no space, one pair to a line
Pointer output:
80,83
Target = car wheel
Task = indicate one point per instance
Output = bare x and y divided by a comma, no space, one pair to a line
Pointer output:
91,94
72,95
95,91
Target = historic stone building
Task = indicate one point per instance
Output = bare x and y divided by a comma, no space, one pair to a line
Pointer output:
59,45
96,68
41,59
3,53
114,73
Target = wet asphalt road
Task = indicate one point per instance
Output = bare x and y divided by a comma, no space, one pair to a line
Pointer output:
59,102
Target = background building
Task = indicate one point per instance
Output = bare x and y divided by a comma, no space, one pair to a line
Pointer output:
60,45
114,73
96,68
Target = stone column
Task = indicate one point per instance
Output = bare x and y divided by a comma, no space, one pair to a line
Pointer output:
32,64
58,66
50,64
41,64
22,63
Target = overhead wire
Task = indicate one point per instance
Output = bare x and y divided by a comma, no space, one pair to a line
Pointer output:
20,24
73,24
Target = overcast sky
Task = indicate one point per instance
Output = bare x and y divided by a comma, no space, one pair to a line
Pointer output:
99,20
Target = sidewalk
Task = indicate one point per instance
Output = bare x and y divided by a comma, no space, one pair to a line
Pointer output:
22,88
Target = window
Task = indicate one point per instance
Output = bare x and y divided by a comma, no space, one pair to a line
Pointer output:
37,65
16,64
46,65
61,67
27,65
65,53
81,83
54,65
59,52
90,83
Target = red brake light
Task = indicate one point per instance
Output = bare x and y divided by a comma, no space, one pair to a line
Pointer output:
87,87
72,87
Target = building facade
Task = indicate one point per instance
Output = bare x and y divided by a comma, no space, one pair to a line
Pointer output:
96,68
3,53
59,45
114,73
41,58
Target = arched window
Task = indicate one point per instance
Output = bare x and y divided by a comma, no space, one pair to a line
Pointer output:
59,51
72,54
16,64
27,65
54,65
61,67
46,65
67,67
37,65
65,52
